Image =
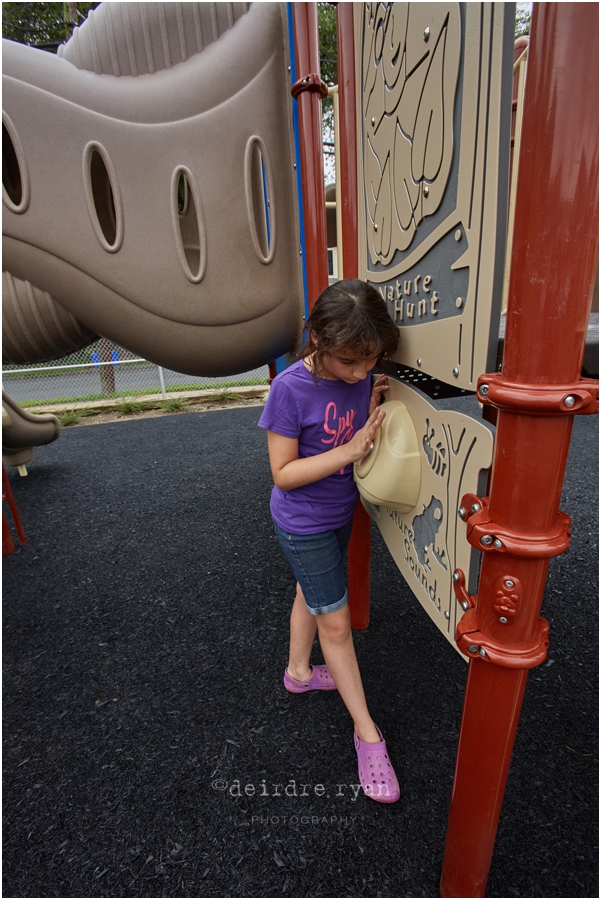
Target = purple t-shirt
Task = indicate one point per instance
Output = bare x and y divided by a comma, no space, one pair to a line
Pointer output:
322,416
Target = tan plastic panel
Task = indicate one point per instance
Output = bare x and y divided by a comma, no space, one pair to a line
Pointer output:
34,327
102,153
427,541
22,430
434,108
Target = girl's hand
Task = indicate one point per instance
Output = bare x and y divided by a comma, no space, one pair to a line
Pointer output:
359,446
380,385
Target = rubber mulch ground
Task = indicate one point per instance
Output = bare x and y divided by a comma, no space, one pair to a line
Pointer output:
145,637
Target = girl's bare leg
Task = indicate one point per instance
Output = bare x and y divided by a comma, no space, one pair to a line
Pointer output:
303,628
336,641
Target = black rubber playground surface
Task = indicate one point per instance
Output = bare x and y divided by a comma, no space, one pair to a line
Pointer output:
145,633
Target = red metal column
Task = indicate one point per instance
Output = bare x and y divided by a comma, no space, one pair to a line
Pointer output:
306,38
346,192
8,545
552,275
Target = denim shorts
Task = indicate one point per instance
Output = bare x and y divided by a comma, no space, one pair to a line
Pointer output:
317,561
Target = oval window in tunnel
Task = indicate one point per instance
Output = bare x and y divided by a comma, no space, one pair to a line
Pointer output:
258,185
15,180
183,193
188,224
103,197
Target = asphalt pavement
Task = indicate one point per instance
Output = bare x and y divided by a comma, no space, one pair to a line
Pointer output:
150,748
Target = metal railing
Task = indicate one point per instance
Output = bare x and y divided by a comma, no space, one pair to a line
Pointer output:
519,68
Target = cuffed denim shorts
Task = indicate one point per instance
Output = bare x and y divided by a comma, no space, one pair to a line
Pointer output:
317,561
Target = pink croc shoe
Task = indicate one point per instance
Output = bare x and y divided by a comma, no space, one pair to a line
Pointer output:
376,774
320,680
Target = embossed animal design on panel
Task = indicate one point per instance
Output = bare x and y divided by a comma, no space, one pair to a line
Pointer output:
411,61
425,528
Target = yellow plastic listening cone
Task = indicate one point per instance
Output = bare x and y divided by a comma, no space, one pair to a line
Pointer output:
390,474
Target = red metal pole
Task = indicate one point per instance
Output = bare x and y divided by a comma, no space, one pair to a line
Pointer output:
552,274
346,191
6,538
306,37
359,569
8,545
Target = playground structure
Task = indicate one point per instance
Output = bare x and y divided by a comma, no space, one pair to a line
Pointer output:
145,250
167,245
535,395
21,431
540,389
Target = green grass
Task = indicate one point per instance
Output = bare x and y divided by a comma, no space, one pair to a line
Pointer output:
172,389
83,398
71,417
130,407
174,404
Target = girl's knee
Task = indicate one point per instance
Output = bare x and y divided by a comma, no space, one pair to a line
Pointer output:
335,626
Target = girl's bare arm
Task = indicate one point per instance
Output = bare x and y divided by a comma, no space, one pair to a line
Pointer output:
290,472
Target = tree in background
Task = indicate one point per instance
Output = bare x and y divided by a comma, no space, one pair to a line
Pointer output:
328,60
523,14
328,53
43,25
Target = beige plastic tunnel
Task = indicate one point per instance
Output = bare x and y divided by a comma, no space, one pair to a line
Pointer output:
149,188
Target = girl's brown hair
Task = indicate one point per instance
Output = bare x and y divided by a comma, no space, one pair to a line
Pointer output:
350,315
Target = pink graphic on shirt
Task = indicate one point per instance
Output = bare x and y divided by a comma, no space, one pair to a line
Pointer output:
341,428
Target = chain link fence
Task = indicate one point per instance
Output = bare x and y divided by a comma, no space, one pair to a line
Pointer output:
105,371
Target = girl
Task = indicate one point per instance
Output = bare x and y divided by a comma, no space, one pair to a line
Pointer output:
321,417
